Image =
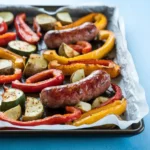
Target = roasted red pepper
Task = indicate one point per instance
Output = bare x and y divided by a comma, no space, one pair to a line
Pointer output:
51,120
37,28
3,27
40,81
117,96
76,47
81,47
24,31
6,38
9,78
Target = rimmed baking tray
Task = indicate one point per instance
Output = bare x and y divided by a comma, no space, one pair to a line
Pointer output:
133,129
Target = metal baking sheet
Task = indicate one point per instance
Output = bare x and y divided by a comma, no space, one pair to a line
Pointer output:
133,129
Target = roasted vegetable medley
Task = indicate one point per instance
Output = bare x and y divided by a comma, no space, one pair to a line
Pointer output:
69,82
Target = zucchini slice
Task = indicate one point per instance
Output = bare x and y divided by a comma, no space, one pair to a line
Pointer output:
11,98
22,48
34,109
14,113
7,16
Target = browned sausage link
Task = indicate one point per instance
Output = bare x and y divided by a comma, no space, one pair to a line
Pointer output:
70,94
84,32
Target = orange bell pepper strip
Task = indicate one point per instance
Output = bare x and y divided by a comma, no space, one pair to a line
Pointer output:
73,114
9,78
99,20
88,65
17,60
6,38
99,53
117,108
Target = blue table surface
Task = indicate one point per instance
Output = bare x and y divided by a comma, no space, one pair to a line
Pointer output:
136,16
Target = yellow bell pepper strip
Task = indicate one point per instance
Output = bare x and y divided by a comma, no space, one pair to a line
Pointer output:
99,53
58,24
88,65
99,20
117,108
17,60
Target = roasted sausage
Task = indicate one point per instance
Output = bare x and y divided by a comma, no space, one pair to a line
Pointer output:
84,32
70,94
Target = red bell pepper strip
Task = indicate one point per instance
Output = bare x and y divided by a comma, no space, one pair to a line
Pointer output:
74,114
6,38
40,81
37,28
24,31
117,96
82,47
76,47
3,27
9,78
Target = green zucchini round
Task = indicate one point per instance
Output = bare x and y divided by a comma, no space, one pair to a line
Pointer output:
22,48
11,98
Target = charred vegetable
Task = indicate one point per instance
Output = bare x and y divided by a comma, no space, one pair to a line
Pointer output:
9,78
64,17
35,64
34,109
84,106
14,113
77,75
45,21
24,32
6,67
98,101
11,98
22,48
67,51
